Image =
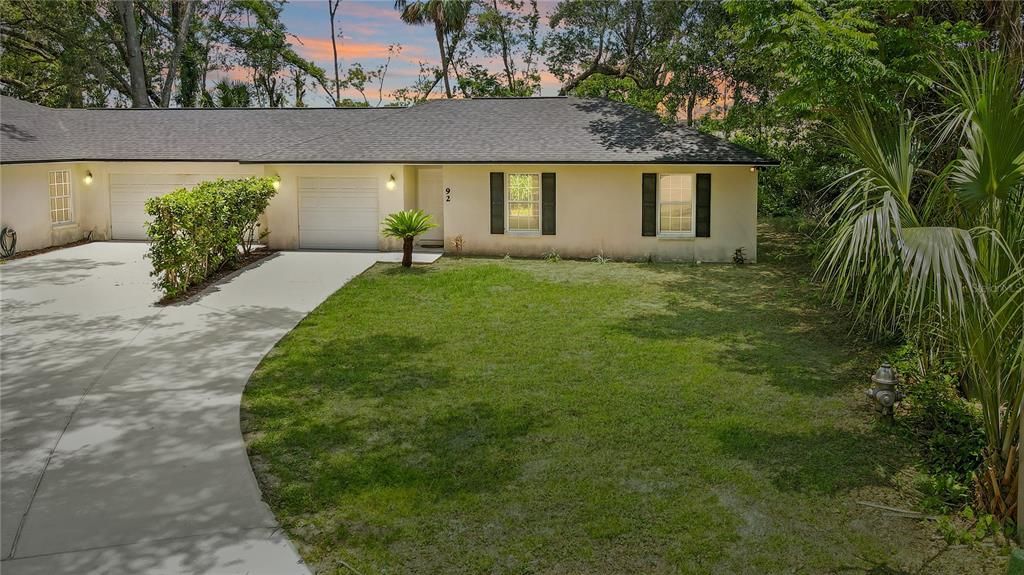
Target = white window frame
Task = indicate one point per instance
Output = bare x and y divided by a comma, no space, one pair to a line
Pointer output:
693,208
64,192
540,205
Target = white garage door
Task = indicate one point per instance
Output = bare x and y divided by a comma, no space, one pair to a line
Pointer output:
128,195
338,213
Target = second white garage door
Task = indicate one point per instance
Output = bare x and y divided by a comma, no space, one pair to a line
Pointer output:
128,195
338,213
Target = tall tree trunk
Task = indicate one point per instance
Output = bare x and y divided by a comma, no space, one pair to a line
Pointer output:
300,90
332,5
407,252
180,39
133,50
439,32
691,101
505,56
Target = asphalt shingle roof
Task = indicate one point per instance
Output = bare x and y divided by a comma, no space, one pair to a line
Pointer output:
499,130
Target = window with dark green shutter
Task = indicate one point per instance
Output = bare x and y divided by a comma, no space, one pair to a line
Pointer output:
547,210
497,202
703,216
677,205
523,204
649,210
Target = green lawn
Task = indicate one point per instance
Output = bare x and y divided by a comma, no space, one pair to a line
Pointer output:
512,416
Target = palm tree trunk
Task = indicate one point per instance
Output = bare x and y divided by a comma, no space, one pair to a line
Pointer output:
407,252
439,32
333,8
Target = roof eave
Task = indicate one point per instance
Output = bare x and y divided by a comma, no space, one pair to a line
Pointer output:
756,163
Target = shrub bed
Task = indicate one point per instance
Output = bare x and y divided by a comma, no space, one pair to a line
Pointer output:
196,232
947,427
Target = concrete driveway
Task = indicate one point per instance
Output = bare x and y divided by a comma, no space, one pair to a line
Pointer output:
121,449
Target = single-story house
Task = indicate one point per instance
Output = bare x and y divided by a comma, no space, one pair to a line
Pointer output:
519,176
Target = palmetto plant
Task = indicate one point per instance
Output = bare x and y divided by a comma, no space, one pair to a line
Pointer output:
407,225
940,255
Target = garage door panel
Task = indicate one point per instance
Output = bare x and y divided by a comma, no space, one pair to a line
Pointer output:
128,195
338,201
338,213
341,183
334,240
363,220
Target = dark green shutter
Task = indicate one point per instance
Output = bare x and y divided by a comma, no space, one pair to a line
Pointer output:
547,204
703,205
650,205
497,202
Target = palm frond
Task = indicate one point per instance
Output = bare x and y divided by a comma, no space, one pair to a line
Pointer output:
861,264
951,264
407,224
990,113
938,264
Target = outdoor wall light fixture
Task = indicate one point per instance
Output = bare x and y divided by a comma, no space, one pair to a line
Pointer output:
277,182
753,168
88,178
391,182
884,390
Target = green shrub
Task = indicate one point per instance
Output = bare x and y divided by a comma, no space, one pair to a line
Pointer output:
195,232
551,256
947,427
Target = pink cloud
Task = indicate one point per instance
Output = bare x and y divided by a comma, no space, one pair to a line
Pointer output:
549,80
320,50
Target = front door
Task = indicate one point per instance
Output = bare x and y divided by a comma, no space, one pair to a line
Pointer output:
430,199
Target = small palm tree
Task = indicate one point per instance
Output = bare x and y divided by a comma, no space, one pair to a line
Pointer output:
407,225
231,94
940,256
449,18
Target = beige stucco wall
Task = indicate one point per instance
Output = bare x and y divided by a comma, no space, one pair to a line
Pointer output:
99,215
599,211
24,196
598,207
283,212
25,205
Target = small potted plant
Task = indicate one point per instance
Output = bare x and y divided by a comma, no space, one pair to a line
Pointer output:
407,225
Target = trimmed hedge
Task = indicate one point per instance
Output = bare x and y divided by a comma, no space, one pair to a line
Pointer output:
196,232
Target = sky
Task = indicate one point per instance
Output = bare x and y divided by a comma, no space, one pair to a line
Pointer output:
367,29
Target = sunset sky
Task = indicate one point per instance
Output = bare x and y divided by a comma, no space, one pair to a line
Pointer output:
367,30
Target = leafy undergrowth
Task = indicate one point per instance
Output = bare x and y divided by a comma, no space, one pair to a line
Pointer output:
515,416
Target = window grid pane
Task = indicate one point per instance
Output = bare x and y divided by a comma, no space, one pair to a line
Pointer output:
523,202
60,196
675,203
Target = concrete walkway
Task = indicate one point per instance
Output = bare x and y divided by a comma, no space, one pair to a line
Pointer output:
121,449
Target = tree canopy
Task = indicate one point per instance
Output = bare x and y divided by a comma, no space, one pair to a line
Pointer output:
771,75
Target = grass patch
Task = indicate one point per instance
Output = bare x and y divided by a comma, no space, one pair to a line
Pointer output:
522,416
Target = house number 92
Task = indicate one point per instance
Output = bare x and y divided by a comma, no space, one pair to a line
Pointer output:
447,195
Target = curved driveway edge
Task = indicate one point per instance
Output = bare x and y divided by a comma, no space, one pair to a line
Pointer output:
121,446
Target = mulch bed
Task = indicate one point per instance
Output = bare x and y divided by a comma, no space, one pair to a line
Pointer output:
244,261
30,253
